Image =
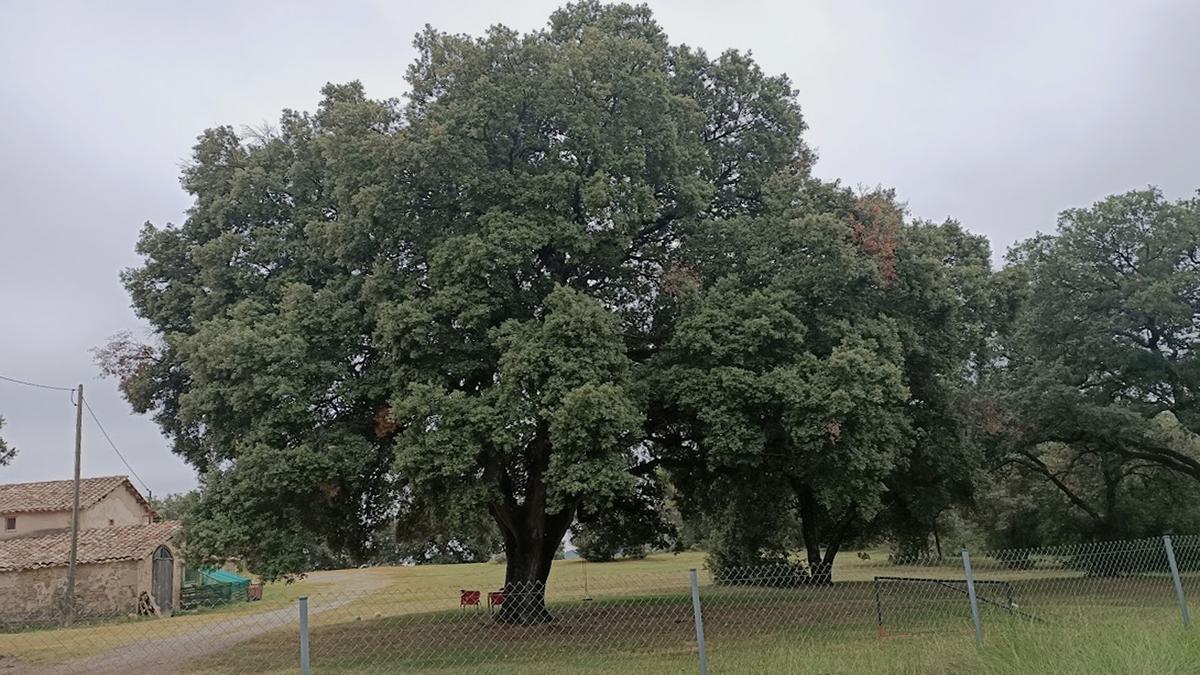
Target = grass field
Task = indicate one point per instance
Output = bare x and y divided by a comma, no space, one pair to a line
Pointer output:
636,616
1150,645
1090,649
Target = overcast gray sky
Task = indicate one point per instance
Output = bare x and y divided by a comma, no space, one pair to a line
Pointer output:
999,114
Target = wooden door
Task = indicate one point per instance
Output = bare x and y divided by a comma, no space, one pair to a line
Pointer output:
162,583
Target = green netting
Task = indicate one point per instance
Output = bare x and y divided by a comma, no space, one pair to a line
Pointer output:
208,587
222,576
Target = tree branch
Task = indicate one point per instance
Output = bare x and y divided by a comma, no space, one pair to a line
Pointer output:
1039,466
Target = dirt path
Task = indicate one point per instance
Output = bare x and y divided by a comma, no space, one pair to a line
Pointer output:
173,653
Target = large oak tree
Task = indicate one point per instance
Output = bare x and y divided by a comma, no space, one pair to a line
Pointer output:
448,296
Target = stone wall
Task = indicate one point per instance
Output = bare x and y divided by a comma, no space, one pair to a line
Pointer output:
34,596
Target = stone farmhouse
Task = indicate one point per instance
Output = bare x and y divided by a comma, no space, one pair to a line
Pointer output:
126,563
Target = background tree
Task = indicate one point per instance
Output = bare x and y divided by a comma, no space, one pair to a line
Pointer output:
1020,507
631,526
450,292
7,452
783,384
1097,395
178,506
949,306
434,531
817,368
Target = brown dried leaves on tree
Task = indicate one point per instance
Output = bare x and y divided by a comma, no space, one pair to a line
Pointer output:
124,358
875,224
385,426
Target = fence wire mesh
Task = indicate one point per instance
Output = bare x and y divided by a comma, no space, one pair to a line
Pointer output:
1118,580
1187,557
390,620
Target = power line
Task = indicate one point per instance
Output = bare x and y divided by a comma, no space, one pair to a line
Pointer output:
90,412
35,384
114,447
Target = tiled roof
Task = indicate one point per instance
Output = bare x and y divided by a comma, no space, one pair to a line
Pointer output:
56,495
98,545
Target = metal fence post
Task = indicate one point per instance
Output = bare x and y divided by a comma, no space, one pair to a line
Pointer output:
699,622
966,558
304,667
1183,607
878,608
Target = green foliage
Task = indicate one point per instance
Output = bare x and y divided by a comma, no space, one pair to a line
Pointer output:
1020,508
579,259
818,365
744,525
1098,393
436,531
7,452
778,360
178,506
948,305
630,526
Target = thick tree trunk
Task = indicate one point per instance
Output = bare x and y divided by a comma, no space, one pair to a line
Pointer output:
531,533
820,565
529,554
531,538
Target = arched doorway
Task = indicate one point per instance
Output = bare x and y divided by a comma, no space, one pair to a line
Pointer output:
162,580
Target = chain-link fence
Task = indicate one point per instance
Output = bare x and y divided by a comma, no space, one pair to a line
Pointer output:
622,619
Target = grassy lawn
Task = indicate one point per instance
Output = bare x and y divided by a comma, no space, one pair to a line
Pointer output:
1149,645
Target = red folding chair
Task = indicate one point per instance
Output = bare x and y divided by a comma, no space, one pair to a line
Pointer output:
468,598
495,599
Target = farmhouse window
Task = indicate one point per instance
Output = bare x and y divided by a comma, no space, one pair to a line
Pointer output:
10,523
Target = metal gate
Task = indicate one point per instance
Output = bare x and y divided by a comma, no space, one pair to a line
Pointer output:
162,582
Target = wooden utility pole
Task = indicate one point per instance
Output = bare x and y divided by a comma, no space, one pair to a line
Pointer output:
69,600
